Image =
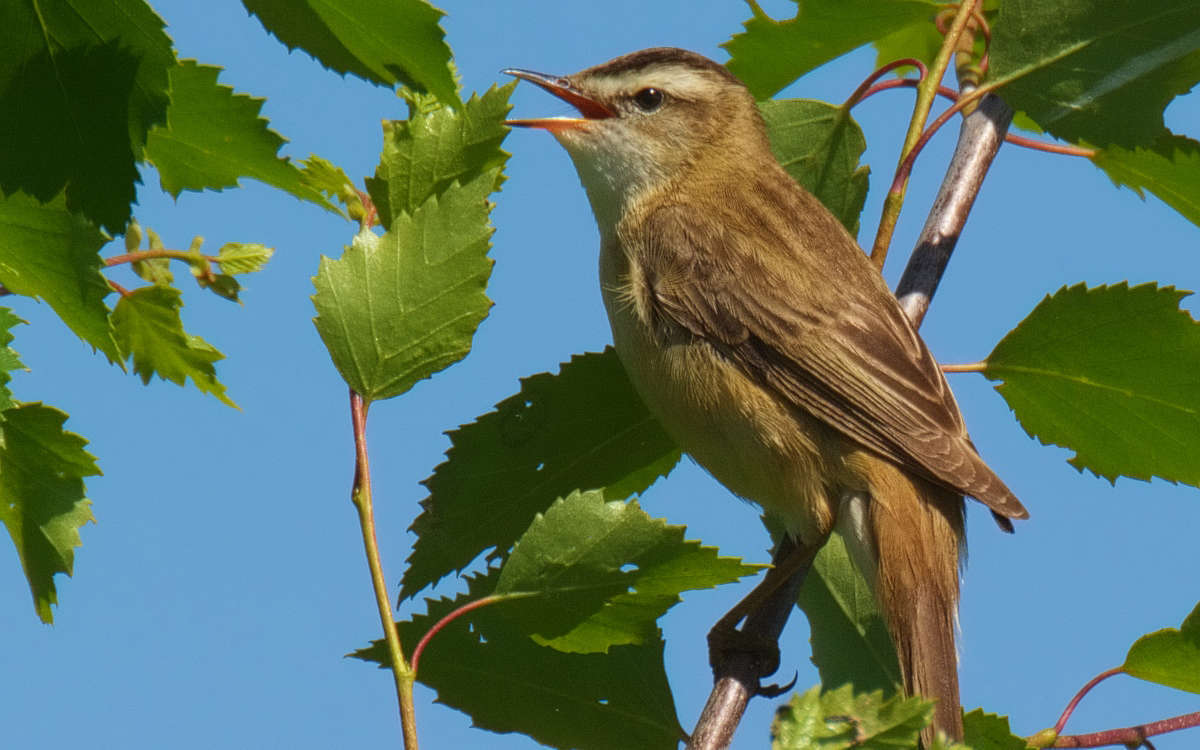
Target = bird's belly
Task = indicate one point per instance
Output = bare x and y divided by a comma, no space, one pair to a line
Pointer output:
752,442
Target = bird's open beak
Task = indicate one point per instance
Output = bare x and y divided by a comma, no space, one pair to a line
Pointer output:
589,108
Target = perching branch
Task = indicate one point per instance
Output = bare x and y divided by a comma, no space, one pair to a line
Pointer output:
980,137
736,679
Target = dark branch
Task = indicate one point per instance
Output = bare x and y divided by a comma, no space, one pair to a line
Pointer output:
737,677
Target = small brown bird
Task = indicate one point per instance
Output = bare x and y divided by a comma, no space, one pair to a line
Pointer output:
760,335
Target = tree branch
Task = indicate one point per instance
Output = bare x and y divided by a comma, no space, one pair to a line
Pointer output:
736,679
979,138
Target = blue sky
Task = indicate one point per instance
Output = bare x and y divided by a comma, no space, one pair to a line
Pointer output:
224,580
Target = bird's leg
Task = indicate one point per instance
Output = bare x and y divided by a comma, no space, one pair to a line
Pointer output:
765,611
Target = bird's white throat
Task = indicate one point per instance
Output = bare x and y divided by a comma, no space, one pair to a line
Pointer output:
613,169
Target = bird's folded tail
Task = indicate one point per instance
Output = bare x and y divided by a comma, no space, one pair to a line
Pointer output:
917,533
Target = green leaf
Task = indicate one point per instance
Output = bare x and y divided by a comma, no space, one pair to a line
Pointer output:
984,731
331,181
1170,169
222,285
1109,373
9,360
50,253
1169,657
395,309
942,742
1096,70
42,502
771,54
382,41
602,573
850,641
81,81
819,146
243,257
584,427
423,156
154,270
149,330
481,665
213,136
840,719
920,40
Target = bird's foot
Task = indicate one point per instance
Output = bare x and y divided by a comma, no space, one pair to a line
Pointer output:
727,646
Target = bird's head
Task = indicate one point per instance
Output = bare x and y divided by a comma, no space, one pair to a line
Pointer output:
647,120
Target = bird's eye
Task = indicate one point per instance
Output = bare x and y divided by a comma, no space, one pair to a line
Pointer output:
648,99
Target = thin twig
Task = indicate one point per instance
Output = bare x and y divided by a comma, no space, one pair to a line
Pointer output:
1133,737
865,88
137,255
926,93
360,495
1065,149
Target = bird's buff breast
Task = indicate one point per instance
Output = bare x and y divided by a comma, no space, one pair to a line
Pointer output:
758,447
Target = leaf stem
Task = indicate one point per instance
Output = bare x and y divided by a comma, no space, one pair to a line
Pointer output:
360,495
972,367
1053,148
1070,709
866,88
915,138
437,626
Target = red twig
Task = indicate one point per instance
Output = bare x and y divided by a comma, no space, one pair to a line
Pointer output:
149,254
865,89
371,214
118,288
1132,737
908,83
906,166
1017,140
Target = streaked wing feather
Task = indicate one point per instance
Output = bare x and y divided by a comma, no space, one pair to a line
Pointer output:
859,366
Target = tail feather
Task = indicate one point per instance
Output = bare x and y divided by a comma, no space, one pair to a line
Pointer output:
917,530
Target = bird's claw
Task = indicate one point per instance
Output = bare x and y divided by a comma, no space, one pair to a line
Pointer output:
775,690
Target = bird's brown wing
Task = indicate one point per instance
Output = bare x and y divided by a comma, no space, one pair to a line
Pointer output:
854,362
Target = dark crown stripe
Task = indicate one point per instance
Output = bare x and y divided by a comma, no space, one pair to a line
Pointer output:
658,55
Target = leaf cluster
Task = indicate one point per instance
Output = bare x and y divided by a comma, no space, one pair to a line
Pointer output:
90,93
